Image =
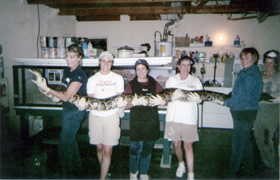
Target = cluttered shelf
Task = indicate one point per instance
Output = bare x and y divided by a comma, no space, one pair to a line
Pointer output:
209,54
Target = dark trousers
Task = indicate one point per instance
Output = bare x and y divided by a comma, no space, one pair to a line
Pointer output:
68,150
140,154
242,149
265,127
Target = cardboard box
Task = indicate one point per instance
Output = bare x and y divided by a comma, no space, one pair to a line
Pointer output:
182,42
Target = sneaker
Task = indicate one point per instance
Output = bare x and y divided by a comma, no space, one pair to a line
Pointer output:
180,170
133,176
144,177
190,176
108,176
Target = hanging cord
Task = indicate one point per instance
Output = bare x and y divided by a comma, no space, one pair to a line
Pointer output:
38,35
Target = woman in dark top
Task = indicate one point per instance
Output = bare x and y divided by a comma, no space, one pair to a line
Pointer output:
144,121
75,80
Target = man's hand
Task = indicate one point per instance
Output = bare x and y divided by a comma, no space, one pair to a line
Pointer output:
194,97
177,94
42,84
139,101
156,101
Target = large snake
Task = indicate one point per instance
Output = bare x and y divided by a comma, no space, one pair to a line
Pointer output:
166,95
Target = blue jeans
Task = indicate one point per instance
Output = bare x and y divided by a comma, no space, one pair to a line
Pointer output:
242,149
68,150
140,151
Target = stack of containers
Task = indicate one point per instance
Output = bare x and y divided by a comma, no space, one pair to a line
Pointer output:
52,47
44,47
60,47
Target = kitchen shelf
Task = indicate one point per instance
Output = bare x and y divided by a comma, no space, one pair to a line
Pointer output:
190,47
153,61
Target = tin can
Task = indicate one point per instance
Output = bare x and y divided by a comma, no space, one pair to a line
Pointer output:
183,53
69,41
43,41
60,42
52,42
45,52
177,54
60,52
53,53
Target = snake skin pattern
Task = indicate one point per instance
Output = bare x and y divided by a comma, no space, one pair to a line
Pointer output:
166,94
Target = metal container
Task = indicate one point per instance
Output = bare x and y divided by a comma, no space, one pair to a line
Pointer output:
60,42
52,42
125,52
163,49
43,41
45,52
60,52
53,52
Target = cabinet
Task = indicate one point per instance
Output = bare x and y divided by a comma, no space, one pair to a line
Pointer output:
4,97
214,115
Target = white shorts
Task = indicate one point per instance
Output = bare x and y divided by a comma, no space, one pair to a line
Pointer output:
181,132
104,130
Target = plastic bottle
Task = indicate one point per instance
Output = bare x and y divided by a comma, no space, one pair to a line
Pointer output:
90,50
237,41
85,48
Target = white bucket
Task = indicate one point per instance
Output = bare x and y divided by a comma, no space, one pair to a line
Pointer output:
163,49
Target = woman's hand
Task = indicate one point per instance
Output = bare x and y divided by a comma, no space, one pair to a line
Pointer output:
157,101
139,101
194,97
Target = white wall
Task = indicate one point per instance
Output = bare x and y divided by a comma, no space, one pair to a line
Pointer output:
263,36
19,29
18,35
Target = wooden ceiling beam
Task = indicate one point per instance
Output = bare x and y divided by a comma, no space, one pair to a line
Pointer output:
97,18
122,11
229,9
104,1
144,17
158,10
117,18
199,6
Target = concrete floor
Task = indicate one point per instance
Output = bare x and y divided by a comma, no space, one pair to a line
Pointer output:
33,159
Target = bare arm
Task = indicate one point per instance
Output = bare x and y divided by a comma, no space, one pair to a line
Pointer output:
71,91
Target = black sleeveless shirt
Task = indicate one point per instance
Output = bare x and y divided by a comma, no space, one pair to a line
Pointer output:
144,120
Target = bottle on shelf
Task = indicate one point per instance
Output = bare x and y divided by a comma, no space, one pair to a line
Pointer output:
90,51
85,48
237,41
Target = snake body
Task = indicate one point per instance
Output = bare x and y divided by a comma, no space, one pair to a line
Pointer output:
111,102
